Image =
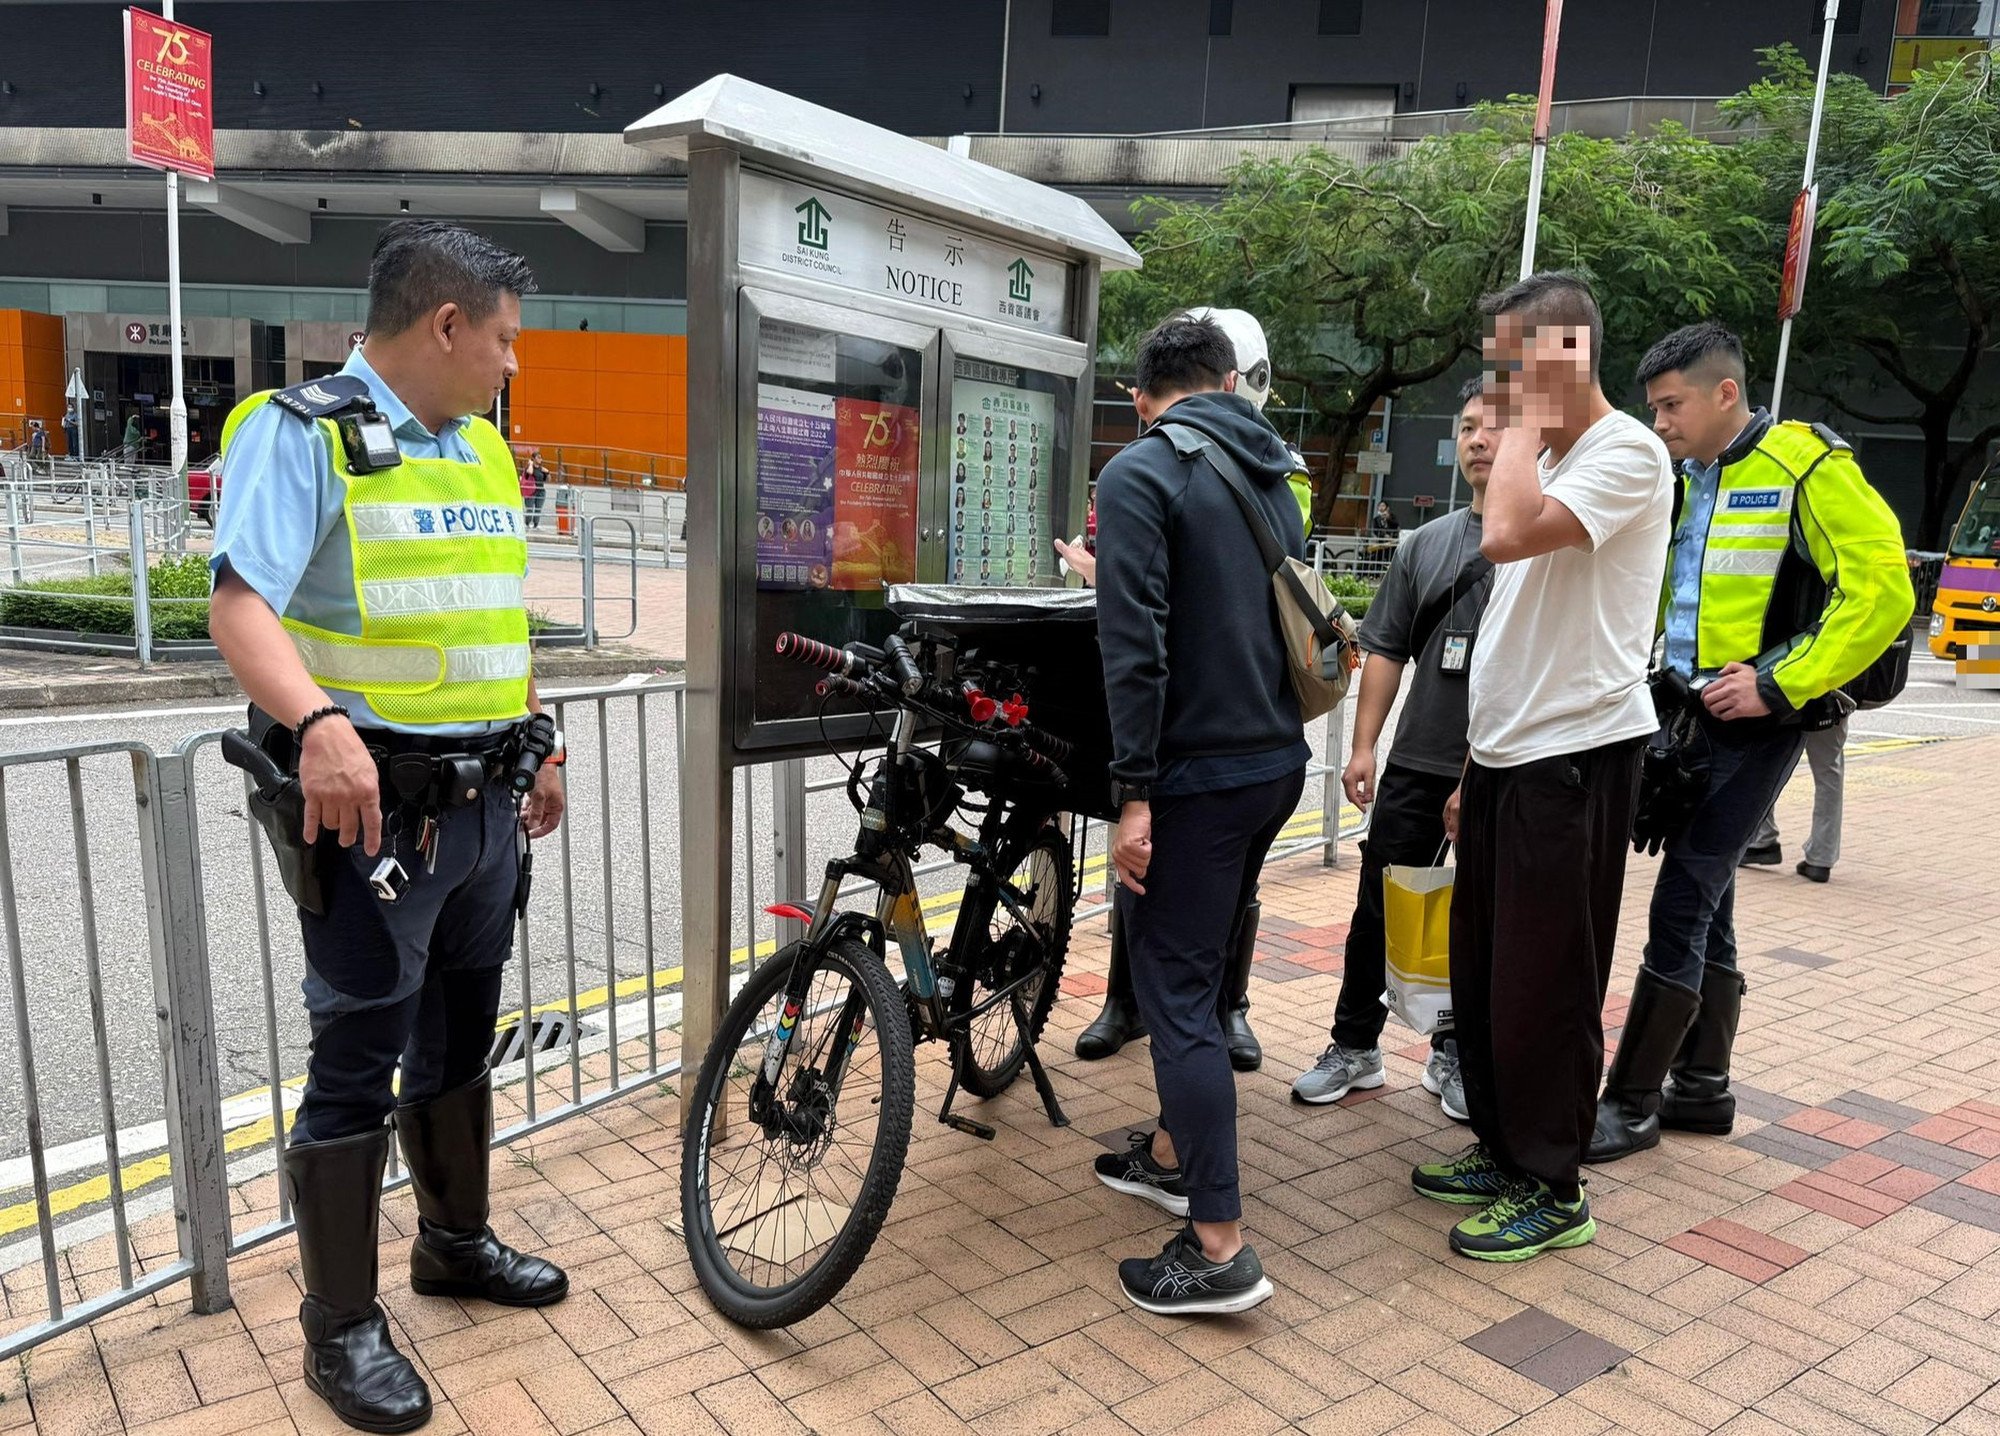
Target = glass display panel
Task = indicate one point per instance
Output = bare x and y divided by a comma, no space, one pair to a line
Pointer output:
838,464
1007,431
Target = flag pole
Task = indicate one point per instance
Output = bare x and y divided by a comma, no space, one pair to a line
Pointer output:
1800,238
177,414
1551,30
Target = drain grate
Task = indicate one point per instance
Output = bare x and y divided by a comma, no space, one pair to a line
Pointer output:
548,1032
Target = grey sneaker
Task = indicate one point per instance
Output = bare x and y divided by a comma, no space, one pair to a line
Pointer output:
1340,1070
1444,1081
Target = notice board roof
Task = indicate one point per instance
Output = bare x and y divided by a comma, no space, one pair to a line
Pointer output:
762,121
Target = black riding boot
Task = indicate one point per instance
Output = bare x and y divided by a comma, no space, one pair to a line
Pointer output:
1628,1114
350,1362
447,1143
1245,1053
1698,1097
1118,1022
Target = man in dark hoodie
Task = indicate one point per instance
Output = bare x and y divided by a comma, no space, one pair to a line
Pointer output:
1209,759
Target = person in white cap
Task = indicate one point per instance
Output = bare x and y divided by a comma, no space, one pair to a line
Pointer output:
1119,1021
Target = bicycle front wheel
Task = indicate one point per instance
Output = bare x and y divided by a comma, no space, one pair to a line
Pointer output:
785,1183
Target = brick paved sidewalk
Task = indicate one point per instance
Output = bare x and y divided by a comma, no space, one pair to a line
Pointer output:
1835,1266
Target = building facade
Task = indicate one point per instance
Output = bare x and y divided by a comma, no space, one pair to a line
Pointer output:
336,115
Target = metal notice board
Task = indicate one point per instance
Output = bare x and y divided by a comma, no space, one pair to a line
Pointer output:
890,367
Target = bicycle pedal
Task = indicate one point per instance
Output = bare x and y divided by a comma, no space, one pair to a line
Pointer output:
965,1124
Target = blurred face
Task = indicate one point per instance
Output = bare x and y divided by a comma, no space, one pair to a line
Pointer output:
1695,420
1537,375
1476,442
479,357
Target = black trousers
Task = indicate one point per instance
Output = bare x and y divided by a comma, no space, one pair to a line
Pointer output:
413,984
1407,829
1534,920
1693,916
1208,849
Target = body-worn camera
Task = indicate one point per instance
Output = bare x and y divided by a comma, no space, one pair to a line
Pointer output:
369,441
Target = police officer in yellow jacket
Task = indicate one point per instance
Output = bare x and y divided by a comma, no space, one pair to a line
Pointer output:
368,565
1786,579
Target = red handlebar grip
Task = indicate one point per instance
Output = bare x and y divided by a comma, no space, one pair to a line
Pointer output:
811,652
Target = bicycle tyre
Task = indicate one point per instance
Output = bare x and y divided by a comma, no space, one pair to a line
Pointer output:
742,1301
983,1076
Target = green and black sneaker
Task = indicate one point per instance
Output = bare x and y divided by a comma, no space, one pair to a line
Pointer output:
1472,1178
1526,1221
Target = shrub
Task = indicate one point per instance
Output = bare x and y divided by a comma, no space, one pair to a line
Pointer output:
177,588
1355,594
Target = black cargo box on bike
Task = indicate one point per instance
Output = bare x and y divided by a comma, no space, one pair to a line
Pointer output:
1051,635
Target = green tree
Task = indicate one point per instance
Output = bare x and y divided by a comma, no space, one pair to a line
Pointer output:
1904,289
1367,277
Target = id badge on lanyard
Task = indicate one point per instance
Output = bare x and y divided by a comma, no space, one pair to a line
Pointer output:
1455,656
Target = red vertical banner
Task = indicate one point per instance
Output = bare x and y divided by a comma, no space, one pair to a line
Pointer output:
169,94
1798,253
874,494
1551,32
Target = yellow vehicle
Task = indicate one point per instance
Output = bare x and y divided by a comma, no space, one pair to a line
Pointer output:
1967,611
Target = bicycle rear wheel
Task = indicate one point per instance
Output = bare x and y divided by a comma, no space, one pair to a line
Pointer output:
988,1051
785,1185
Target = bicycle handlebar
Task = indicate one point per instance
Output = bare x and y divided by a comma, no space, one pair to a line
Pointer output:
902,668
814,654
859,671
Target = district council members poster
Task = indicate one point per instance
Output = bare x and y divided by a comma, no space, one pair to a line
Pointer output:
795,464
874,494
1002,459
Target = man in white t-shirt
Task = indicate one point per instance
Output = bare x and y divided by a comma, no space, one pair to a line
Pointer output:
1577,514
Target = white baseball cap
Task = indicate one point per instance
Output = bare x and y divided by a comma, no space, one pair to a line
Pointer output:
1253,351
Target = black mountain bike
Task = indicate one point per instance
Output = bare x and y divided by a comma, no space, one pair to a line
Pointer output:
796,1141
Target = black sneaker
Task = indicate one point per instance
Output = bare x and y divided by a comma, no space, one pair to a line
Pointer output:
1180,1281
1135,1173
1768,856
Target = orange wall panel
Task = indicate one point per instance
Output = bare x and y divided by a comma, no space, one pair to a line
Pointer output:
640,433
565,389
556,349
10,327
41,331
631,353
639,393
557,426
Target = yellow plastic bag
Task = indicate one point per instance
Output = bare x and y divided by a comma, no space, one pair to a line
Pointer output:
1416,921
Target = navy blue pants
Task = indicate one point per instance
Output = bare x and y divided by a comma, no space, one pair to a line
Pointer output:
1693,917
1405,829
414,983
1207,851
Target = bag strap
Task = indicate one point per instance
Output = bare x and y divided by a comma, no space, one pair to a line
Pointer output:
1239,488
1260,527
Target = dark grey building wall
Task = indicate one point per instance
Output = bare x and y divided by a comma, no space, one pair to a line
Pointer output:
1159,69
520,64
905,64
131,246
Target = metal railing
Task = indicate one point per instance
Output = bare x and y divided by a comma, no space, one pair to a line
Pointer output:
104,532
153,932
607,468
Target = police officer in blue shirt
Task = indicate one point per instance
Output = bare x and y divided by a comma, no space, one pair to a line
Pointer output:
368,566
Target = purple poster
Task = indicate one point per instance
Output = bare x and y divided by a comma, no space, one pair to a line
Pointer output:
795,460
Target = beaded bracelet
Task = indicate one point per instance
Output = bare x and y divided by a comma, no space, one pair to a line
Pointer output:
331,710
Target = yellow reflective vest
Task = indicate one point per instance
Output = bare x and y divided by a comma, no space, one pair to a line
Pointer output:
439,553
1803,571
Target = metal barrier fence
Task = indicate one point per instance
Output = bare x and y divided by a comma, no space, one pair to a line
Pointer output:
157,928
